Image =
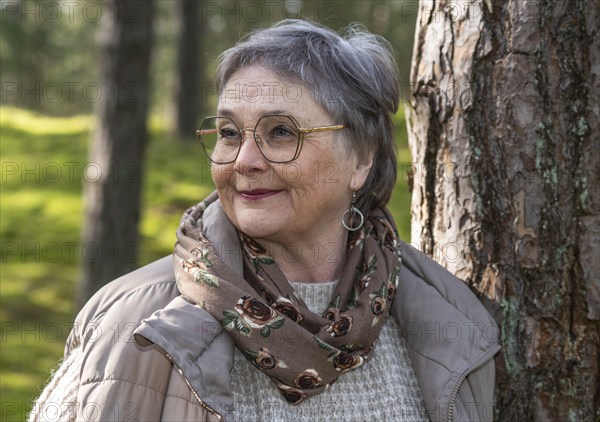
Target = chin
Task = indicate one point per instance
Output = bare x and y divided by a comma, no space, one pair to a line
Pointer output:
258,230
258,225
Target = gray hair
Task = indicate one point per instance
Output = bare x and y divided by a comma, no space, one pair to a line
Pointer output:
353,76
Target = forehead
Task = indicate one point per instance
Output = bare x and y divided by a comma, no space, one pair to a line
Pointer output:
262,91
257,88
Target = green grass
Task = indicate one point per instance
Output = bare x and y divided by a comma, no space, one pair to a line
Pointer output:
41,216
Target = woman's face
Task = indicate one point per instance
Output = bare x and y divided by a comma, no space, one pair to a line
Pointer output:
290,202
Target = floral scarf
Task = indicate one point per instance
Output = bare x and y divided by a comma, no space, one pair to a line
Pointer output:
303,353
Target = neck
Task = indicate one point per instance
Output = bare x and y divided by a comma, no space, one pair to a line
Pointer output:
317,259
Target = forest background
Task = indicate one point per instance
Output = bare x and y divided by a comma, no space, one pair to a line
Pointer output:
49,88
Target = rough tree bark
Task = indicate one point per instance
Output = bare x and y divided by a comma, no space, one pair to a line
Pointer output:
504,131
113,183
188,103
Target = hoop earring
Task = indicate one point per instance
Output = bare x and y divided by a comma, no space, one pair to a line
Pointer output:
354,214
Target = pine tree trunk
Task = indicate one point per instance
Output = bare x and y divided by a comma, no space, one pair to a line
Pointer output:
188,101
114,172
504,132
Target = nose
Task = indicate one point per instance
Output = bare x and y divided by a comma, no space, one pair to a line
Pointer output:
249,158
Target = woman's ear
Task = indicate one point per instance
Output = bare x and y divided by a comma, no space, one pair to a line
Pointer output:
361,172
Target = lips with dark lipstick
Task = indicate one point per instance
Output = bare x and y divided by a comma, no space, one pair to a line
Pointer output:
256,194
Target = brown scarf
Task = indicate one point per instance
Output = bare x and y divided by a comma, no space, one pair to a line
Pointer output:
303,353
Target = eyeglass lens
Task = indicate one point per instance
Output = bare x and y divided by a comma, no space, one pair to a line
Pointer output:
276,136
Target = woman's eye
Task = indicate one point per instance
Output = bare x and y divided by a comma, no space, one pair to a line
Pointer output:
229,134
282,132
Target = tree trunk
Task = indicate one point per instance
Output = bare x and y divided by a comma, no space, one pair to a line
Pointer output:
114,173
504,130
188,102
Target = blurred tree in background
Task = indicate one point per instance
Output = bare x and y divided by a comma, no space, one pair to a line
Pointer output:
188,106
112,200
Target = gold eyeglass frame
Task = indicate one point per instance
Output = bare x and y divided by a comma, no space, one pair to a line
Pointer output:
302,131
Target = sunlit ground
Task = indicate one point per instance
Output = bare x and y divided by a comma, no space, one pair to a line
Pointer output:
43,161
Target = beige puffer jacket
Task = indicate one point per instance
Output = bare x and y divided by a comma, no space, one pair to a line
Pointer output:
149,355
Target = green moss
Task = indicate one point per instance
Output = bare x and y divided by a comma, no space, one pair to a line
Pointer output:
476,189
582,127
559,254
551,176
510,335
583,196
573,416
539,148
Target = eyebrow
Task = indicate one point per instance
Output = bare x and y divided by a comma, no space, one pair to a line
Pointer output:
225,113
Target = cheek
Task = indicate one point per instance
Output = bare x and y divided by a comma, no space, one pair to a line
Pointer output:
221,174
321,185
332,160
294,174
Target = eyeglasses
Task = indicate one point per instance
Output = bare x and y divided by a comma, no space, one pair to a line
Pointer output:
278,137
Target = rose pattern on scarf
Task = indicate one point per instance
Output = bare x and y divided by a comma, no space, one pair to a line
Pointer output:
357,349
249,314
378,305
233,323
254,312
333,309
378,302
346,361
308,379
389,239
291,394
345,358
189,266
263,359
199,266
268,297
286,307
340,326
331,313
369,266
356,238
392,285
257,315
354,301
202,260
257,254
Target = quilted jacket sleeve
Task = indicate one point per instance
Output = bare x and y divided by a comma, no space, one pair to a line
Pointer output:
57,400
104,375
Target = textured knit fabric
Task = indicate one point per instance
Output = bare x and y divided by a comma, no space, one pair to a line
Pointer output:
58,401
385,389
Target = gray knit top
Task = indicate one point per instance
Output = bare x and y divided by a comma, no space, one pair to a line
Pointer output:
385,389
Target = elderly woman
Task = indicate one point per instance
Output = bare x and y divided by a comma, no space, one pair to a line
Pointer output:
275,303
